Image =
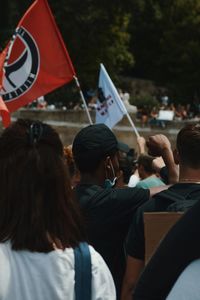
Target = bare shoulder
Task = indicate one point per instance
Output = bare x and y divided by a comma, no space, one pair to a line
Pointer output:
157,189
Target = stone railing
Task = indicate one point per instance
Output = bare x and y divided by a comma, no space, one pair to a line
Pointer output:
68,123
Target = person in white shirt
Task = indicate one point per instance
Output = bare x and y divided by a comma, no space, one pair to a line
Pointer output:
40,222
187,285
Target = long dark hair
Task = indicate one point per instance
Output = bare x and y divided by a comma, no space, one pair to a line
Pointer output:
35,194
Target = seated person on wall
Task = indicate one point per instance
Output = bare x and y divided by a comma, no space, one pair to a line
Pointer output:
108,211
144,116
175,265
130,108
179,197
153,116
146,172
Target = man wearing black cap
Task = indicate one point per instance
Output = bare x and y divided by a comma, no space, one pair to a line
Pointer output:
108,211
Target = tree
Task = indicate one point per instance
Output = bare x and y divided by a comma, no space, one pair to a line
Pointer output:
95,32
166,44
180,49
10,14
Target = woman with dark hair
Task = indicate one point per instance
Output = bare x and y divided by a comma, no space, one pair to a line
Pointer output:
40,223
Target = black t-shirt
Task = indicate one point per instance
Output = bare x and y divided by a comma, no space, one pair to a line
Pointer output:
108,214
135,243
164,175
178,249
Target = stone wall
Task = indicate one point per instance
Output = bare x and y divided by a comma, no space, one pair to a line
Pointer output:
68,123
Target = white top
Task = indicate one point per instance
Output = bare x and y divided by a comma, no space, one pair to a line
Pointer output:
187,286
26,275
133,181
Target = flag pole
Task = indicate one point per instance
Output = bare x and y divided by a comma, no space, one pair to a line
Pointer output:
104,76
129,118
132,124
83,99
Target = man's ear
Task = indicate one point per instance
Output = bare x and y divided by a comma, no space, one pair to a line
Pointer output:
176,157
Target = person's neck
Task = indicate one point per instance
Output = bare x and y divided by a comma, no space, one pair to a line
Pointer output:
90,179
187,174
145,176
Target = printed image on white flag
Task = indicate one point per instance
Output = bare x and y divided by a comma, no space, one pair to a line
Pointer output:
110,108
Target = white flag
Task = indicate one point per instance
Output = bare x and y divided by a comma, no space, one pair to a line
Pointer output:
110,108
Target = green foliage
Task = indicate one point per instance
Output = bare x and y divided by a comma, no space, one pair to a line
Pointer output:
95,32
147,101
166,44
10,14
181,40
67,95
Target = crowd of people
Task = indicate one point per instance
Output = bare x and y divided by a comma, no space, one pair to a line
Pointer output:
179,112
63,206
156,116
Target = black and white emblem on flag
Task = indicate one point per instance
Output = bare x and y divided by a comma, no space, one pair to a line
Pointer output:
21,65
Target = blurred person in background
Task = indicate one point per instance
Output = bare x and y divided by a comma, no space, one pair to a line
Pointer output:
147,173
73,171
127,162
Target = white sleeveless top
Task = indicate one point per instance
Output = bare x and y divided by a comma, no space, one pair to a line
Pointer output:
26,275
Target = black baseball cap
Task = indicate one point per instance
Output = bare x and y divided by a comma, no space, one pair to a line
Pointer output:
123,147
94,141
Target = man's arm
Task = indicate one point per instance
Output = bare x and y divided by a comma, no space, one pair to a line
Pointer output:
135,249
141,142
159,145
158,189
134,268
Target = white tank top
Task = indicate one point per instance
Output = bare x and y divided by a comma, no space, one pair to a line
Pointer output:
26,275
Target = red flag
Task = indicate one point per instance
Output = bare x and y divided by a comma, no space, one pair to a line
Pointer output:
4,113
3,109
37,61
2,59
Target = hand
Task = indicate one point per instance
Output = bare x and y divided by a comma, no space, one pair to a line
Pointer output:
157,144
141,144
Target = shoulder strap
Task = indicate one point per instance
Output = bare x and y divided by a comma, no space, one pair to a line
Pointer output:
83,273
